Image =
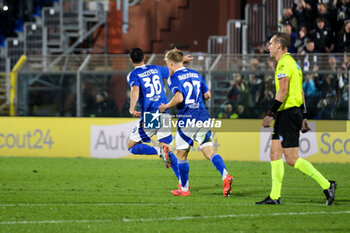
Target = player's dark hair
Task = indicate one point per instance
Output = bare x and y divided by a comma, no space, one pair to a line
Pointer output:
283,39
136,55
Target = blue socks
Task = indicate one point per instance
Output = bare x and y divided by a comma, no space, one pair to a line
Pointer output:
143,149
219,164
174,164
184,169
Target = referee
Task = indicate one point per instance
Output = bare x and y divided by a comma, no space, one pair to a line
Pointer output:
289,112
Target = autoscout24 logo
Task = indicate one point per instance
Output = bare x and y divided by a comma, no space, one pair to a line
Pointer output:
155,120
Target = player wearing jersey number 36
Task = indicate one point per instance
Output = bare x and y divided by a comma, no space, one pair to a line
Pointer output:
290,117
146,83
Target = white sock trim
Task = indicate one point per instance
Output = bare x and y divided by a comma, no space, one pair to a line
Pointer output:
224,174
182,161
185,189
205,145
211,158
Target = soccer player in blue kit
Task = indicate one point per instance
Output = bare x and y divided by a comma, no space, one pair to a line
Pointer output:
189,89
146,83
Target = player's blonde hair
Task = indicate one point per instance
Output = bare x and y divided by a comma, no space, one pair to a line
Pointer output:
174,55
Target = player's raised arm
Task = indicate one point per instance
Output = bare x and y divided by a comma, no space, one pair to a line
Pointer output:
187,58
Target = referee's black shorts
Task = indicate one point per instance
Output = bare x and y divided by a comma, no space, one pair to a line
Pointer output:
287,127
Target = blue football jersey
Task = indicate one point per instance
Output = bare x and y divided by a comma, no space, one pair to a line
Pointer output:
192,86
149,78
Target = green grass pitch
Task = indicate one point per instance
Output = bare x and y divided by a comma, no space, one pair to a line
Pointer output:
123,195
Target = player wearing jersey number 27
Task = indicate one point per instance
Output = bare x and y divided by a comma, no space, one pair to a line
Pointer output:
189,89
290,117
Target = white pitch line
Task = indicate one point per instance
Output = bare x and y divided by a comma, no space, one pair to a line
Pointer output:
171,218
75,204
138,204
54,221
232,216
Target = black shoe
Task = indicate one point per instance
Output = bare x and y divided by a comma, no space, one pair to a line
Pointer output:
269,201
330,193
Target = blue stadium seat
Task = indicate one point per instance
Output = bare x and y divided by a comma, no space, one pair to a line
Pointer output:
18,25
37,11
2,41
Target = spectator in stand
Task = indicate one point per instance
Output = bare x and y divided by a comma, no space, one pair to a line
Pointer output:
241,112
332,64
89,100
287,15
256,89
343,91
310,60
269,85
312,94
299,13
330,81
305,12
329,17
236,86
342,9
293,37
104,106
327,106
255,66
343,40
300,43
245,97
323,37
227,112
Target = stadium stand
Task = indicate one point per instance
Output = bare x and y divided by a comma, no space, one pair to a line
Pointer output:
236,67
47,27
34,27
243,81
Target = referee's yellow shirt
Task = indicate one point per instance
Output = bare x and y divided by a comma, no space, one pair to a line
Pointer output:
288,67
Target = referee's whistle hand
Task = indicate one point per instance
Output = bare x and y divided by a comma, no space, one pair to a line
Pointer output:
266,122
305,127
